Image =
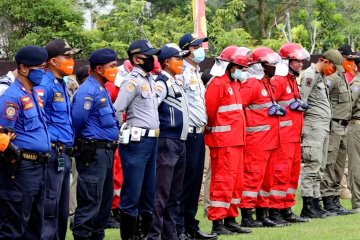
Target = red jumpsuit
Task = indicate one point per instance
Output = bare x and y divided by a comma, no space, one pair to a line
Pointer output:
262,141
118,176
288,163
225,136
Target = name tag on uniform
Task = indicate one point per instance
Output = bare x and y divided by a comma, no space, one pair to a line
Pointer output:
27,102
103,102
145,88
59,97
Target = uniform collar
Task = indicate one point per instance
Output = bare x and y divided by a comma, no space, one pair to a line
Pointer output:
53,78
140,71
177,79
20,85
95,82
191,67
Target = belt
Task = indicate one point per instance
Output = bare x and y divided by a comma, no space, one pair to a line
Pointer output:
112,145
150,132
196,129
355,121
63,148
341,122
36,157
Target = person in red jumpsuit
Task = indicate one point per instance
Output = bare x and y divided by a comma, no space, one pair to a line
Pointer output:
287,165
225,136
262,137
113,89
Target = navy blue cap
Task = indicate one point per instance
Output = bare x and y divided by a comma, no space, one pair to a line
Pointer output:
31,56
190,40
172,50
102,56
142,47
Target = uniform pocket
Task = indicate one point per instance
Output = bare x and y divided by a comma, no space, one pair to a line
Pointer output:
50,205
11,205
87,189
31,121
59,115
146,95
106,117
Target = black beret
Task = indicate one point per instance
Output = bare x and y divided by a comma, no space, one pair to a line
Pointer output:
102,56
31,56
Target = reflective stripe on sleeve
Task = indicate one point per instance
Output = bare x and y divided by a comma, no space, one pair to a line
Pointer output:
264,194
258,128
232,107
259,106
291,191
286,103
287,123
225,128
249,194
278,193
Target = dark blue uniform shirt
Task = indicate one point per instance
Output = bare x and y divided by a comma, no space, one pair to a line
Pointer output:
23,111
57,108
93,114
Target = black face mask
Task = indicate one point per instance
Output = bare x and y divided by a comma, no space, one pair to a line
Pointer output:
269,70
148,64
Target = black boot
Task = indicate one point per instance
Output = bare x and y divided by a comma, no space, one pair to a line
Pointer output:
341,209
329,205
309,211
127,226
231,225
247,219
320,209
144,225
262,216
112,223
219,229
274,215
291,217
199,235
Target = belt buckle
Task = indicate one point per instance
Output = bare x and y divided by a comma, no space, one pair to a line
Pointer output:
157,132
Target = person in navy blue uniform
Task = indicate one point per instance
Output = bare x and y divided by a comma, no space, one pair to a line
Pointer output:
138,100
97,132
60,63
22,179
174,128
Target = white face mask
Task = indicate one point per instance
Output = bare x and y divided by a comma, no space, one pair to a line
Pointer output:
199,55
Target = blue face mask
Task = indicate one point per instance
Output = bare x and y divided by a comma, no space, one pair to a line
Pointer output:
66,79
36,76
199,55
236,74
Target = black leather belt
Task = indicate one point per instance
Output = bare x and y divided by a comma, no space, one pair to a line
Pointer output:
341,122
112,145
62,148
36,157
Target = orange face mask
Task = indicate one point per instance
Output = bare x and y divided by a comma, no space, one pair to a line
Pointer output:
177,65
329,70
67,66
349,65
110,74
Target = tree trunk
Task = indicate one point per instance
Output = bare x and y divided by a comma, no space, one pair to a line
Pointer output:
262,15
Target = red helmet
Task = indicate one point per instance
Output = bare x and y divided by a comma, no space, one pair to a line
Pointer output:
264,54
294,51
128,66
236,55
157,67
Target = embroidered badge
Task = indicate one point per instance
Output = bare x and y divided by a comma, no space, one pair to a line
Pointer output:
10,111
27,102
308,82
59,97
145,88
87,105
264,92
288,89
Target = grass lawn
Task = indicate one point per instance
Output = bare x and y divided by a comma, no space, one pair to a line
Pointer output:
331,228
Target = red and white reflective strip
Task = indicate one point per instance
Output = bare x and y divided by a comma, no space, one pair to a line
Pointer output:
278,193
291,191
287,123
250,194
225,128
231,107
264,193
224,204
286,103
117,192
260,128
259,106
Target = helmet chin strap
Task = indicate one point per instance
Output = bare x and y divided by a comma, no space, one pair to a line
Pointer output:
293,72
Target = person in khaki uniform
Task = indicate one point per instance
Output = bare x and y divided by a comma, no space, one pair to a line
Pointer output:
340,99
316,130
353,140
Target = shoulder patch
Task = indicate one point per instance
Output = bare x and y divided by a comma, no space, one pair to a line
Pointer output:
11,111
87,105
308,82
